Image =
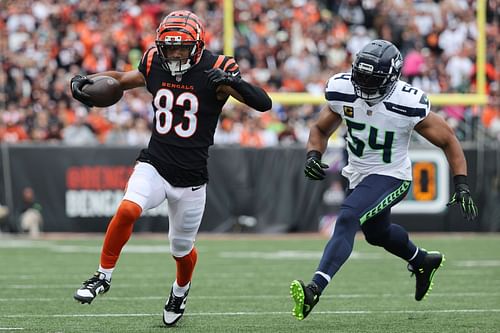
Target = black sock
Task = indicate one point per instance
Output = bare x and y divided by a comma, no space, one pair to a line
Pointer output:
417,260
320,283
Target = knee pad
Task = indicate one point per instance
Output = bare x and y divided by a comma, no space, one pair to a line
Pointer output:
347,216
180,247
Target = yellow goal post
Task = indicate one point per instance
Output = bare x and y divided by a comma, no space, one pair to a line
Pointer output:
478,98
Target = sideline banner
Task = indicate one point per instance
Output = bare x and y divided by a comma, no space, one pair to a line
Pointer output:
80,188
250,190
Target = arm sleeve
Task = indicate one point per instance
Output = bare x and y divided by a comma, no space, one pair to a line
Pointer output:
255,97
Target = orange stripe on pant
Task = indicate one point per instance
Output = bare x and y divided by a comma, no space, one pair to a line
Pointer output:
118,233
185,267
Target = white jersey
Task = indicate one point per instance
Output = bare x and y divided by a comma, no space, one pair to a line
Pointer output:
378,136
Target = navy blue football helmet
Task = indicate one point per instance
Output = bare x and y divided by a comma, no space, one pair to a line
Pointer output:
375,70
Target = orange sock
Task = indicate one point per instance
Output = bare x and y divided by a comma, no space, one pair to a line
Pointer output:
185,267
118,233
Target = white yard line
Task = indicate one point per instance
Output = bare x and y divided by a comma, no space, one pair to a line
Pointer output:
448,271
246,313
477,263
233,297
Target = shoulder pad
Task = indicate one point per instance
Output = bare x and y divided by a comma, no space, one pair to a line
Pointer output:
147,60
406,94
227,64
408,100
339,89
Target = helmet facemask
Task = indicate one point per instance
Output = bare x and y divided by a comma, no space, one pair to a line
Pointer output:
176,65
372,87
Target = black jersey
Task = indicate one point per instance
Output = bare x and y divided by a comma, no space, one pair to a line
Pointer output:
186,112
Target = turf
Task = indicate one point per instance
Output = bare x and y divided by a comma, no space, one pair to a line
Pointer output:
242,285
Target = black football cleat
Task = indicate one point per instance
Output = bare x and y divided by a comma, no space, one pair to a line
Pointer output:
174,307
94,286
305,298
425,274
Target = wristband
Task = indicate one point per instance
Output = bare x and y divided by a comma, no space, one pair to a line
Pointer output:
460,179
314,154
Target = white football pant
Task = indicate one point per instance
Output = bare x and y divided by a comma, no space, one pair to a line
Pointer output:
185,205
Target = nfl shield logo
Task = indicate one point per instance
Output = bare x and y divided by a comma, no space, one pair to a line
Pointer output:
369,112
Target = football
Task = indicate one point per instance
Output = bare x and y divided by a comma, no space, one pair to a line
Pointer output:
105,91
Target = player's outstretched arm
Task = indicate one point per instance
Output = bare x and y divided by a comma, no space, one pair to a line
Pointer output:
128,80
232,84
322,129
320,132
435,129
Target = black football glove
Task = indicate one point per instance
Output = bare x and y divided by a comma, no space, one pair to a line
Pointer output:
463,198
314,167
77,83
217,76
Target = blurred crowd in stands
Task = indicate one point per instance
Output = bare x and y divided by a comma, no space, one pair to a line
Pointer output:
283,45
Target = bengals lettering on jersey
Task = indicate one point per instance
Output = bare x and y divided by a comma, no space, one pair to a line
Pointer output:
186,112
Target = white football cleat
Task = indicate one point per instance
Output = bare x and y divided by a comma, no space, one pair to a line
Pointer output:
174,307
92,287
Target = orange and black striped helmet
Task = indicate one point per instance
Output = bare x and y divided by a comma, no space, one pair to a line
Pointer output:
180,28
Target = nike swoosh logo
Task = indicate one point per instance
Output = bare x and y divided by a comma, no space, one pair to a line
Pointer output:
306,307
183,304
196,188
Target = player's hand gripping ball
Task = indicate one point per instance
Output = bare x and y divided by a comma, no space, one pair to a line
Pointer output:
100,91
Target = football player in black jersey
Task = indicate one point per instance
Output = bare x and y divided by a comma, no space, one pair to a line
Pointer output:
189,86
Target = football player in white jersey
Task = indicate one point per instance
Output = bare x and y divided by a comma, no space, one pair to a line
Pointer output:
380,112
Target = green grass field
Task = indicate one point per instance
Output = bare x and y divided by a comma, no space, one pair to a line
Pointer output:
242,285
